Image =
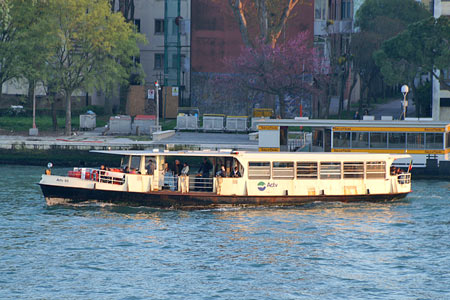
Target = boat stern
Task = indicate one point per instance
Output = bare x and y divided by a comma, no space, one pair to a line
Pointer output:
60,189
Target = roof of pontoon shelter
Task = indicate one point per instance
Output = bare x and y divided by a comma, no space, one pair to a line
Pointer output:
328,123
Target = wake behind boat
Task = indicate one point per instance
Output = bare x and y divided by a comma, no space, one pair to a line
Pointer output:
214,179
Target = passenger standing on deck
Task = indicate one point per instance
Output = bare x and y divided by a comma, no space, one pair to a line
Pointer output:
150,167
205,167
178,167
167,169
185,170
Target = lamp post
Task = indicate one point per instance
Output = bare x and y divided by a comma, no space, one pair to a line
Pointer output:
34,130
405,90
157,104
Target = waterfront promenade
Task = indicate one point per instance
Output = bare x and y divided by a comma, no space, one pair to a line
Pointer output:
94,140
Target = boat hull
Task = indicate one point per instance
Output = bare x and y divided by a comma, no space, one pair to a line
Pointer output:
60,195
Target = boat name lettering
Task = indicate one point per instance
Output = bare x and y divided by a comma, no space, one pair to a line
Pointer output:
62,180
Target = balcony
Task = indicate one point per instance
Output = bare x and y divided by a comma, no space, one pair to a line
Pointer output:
340,27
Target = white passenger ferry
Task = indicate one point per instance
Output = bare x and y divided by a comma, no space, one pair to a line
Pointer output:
230,178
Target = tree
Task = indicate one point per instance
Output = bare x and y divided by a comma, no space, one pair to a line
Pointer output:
87,43
15,19
379,20
286,70
270,16
404,11
424,47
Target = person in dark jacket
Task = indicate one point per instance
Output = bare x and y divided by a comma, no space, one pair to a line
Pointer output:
236,172
205,167
178,167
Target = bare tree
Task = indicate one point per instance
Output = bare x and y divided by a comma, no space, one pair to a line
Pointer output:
271,17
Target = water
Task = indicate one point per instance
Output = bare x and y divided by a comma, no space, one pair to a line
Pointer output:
398,250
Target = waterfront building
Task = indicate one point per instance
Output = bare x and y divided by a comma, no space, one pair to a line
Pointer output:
427,141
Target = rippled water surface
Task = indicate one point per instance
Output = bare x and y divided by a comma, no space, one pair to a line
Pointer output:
395,250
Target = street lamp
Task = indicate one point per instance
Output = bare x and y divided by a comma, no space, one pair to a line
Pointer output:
157,104
405,90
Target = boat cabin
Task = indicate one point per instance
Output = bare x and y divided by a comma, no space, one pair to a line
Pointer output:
254,173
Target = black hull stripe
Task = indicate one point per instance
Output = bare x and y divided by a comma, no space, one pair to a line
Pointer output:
197,200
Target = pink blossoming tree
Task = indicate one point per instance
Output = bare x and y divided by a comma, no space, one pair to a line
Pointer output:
290,69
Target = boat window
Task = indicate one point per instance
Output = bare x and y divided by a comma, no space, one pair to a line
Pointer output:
307,170
397,140
341,140
360,140
434,141
415,140
124,161
448,140
375,169
353,169
378,140
330,170
282,170
259,170
135,162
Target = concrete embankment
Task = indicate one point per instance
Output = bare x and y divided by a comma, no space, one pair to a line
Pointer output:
74,150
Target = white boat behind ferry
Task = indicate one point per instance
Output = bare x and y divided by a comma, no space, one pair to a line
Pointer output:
246,179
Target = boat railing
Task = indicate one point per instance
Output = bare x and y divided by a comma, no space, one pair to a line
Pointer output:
200,184
170,182
404,178
105,176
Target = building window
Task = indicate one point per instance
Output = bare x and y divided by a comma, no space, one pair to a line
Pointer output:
397,140
159,61
434,141
360,140
447,144
446,74
415,140
341,140
320,7
159,26
378,140
137,24
346,9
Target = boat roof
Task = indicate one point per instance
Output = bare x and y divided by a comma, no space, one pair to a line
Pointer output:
261,155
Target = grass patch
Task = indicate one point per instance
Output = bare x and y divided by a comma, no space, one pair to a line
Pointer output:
168,124
43,123
141,138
